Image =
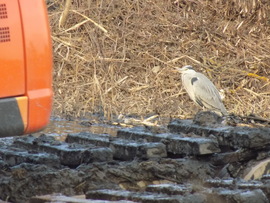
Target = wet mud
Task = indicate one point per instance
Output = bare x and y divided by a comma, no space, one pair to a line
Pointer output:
186,161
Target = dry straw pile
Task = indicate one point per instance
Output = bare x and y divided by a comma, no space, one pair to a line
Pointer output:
116,56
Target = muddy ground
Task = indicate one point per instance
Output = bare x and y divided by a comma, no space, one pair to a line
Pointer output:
182,162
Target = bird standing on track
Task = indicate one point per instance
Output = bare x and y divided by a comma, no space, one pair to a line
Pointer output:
201,90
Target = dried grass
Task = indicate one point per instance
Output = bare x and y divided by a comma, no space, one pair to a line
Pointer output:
115,56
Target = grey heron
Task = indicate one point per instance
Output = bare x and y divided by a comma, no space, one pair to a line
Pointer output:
201,90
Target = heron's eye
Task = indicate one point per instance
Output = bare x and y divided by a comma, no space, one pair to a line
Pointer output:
193,80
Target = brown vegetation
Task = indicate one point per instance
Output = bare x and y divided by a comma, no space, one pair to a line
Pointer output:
115,56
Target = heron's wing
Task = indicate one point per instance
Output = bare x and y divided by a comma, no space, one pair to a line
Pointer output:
205,93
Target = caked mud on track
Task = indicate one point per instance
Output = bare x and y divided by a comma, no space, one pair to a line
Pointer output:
186,161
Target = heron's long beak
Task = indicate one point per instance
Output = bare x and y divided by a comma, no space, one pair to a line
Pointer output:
177,69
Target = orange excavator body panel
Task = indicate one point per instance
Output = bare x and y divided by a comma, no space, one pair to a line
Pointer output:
12,80
25,67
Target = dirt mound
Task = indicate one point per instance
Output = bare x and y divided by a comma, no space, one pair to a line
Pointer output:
115,57
186,163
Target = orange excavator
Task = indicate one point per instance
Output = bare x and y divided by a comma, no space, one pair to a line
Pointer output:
25,67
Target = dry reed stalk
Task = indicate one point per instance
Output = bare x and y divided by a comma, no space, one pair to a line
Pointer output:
63,17
87,19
